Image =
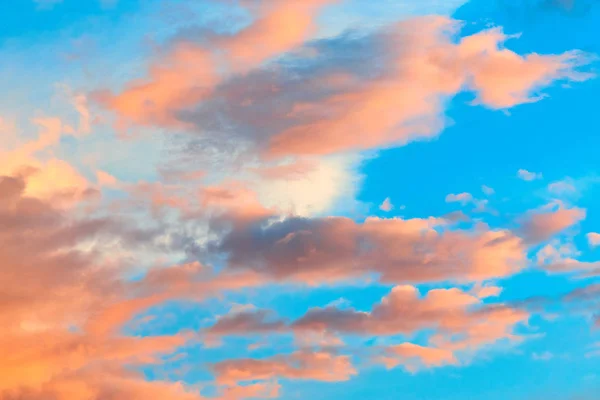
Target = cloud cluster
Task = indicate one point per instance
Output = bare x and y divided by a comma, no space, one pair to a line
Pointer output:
331,249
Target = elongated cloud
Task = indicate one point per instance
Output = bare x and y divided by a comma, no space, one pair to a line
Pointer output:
336,249
343,101
413,357
302,365
459,323
406,102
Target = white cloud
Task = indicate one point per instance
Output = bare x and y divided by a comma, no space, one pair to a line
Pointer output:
331,185
593,239
528,175
488,191
462,198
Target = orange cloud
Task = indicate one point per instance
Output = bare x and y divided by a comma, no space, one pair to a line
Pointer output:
413,357
278,28
540,226
188,73
50,288
406,102
182,78
319,366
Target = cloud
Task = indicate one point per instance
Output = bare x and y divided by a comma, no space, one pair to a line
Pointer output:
414,357
309,187
486,291
54,280
387,205
188,73
540,226
247,322
458,322
529,176
319,366
488,191
593,239
48,178
462,198
307,101
563,187
557,257
335,249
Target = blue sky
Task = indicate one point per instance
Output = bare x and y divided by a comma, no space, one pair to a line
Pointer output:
325,199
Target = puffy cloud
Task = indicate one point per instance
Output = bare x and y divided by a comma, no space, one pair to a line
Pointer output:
593,239
529,176
542,225
459,323
557,257
402,311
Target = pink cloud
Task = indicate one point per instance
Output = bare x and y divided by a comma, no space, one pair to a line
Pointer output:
413,357
426,68
593,239
188,73
540,226
315,116
336,249
387,205
529,176
462,198
317,366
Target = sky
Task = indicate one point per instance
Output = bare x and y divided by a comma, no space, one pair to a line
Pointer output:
291,199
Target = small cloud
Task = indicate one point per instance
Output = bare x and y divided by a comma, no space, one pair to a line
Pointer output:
462,198
105,179
387,205
488,191
566,186
339,303
528,175
486,291
593,239
545,356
